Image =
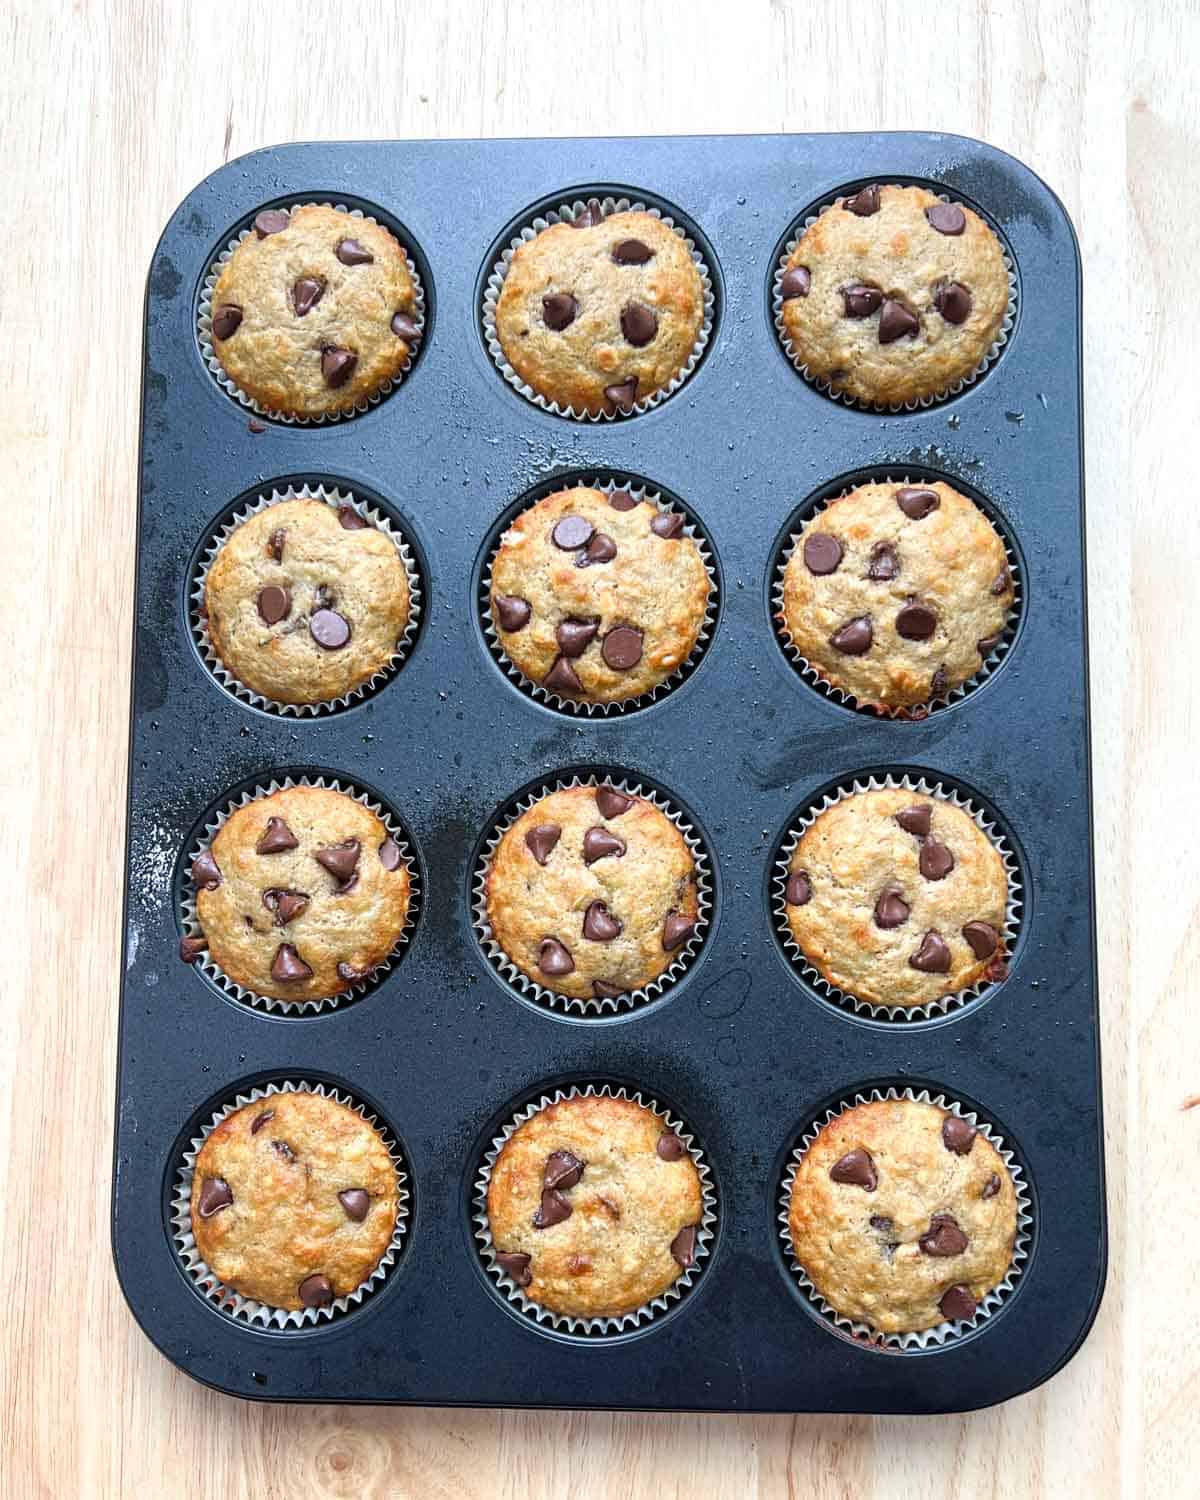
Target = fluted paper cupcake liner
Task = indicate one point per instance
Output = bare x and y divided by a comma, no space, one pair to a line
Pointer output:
942,1333
610,1004
190,922
918,403
816,678
926,786
617,1323
685,668
206,1281
229,385
565,212
336,499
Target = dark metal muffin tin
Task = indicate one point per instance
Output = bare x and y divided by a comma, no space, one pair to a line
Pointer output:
741,1047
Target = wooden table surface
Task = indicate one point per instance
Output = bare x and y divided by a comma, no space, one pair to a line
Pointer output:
110,114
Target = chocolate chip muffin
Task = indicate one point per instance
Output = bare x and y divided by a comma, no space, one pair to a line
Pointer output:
293,1200
314,311
592,893
305,603
893,295
594,1207
897,898
598,597
303,893
902,1215
897,593
597,314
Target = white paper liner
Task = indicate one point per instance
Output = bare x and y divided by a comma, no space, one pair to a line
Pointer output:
918,403
941,1333
567,211
571,1004
622,1322
223,1297
190,922
335,498
229,385
912,711
930,787
537,690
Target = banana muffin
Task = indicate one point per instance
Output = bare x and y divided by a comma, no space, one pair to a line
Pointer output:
302,893
305,602
897,898
592,893
892,295
293,1200
314,311
902,1215
594,1206
599,313
598,597
897,593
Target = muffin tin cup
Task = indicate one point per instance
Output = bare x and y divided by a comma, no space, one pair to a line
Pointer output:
620,1322
570,1004
567,211
942,1333
230,386
539,692
924,786
198,618
916,712
206,1281
919,403
190,922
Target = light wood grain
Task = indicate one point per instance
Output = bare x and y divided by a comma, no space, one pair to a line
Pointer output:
109,114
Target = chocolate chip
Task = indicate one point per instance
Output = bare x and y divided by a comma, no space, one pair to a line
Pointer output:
856,1169
351,253
917,503
601,549
541,839
190,948
915,819
575,636
884,564
932,957
860,301
1002,583
953,301
669,1146
676,930
275,544
559,310
563,1170
631,253
274,604
795,283
316,1291
226,321
612,804
215,1194
599,924
561,678
571,533
281,1148
260,1120
270,221
337,366
935,860
958,1303
341,860
288,965
639,324
916,621
896,321
599,843
865,202
798,891
515,1266
891,910
943,1237
854,637
946,218
307,291
285,905
622,648
205,874
822,553
991,1187
356,1201
552,1210
938,683
554,959
622,500
982,937
882,1223
330,630
406,328
683,1246
389,854
512,612
605,991
668,524
275,838
957,1135
624,395
350,519
987,645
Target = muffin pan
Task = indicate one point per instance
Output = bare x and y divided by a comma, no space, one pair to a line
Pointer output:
442,1049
